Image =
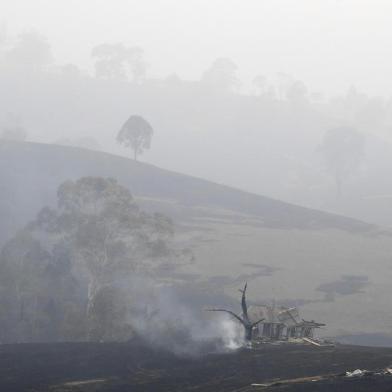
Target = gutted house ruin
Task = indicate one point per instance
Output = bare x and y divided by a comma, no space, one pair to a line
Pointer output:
271,322
280,323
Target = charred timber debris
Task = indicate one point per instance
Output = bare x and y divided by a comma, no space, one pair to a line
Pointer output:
327,378
274,324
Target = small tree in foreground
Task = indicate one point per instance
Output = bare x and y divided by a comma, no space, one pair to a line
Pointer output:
244,318
136,133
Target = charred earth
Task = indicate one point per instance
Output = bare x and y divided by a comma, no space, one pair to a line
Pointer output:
134,366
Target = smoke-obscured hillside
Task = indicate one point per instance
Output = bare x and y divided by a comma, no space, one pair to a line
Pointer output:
234,236
32,173
268,139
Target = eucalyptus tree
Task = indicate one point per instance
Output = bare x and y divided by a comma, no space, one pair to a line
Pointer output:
71,268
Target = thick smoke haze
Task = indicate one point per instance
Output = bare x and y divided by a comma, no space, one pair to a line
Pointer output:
328,44
256,133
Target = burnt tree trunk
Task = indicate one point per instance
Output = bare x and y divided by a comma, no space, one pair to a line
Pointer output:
244,319
248,332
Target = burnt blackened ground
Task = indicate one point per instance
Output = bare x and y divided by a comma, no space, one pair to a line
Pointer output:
135,367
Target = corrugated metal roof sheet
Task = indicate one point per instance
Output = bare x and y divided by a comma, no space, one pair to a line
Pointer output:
274,314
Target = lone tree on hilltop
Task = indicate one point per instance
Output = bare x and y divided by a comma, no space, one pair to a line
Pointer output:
244,318
136,133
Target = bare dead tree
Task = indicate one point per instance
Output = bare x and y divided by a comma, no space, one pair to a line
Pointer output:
244,319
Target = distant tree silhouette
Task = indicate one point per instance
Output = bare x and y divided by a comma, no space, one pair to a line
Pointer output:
12,128
114,61
3,34
136,133
284,81
297,93
343,151
31,50
15,133
221,75
260,82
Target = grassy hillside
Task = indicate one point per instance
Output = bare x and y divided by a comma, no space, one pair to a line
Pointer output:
338,269
31,173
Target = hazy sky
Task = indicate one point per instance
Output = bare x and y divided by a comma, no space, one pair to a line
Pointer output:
329,44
